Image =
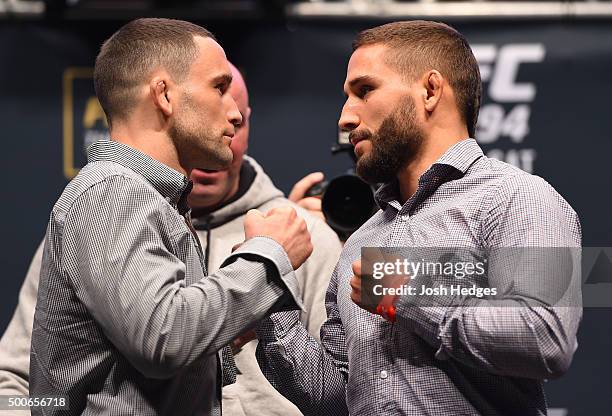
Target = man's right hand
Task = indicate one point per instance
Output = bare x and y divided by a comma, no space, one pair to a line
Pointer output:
298,194
285,227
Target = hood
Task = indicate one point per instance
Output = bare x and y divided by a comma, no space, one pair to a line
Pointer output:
261,191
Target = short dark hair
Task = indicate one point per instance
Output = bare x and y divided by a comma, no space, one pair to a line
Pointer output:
136,49
418,46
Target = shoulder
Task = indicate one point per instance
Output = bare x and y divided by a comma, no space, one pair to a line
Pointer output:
506,183
527,190
105,184
526,208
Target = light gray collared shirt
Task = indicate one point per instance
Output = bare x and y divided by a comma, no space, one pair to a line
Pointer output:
127,321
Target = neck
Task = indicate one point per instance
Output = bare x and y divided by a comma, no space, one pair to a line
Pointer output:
433,147
154,143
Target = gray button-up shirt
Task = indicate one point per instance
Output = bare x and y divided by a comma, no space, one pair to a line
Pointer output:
127,322
460,355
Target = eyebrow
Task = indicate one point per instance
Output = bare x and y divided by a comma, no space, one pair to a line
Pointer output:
223,78
361,80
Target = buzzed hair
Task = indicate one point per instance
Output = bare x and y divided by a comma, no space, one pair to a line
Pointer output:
129,56
418,46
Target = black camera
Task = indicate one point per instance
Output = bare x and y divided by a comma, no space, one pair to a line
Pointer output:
346,201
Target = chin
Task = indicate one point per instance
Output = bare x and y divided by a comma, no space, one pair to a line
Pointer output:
204,190
213,166
213,158
202,200
225,157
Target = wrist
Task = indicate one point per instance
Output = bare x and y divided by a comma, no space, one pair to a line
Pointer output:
386,308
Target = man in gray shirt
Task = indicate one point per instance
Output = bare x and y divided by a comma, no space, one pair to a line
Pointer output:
219,201
127,322
413,93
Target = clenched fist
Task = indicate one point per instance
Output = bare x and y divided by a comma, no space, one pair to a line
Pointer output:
376,304
285,227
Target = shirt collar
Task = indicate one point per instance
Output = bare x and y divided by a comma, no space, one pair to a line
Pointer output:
459,156
172,185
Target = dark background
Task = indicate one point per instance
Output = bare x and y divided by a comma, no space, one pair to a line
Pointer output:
295,70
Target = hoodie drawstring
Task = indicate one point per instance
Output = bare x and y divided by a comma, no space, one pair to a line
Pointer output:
207,221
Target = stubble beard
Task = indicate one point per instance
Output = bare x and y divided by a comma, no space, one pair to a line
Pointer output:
198,146
397,142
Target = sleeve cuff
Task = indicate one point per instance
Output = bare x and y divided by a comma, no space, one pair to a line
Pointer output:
272,251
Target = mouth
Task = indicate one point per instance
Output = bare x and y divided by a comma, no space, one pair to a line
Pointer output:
227,138
206,173
357,137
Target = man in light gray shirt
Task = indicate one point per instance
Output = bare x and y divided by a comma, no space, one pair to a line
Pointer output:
127,322
219,200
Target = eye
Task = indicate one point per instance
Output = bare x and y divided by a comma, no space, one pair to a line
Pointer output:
222,87
364,90
238,126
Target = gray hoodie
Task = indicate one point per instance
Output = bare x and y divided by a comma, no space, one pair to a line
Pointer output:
218,232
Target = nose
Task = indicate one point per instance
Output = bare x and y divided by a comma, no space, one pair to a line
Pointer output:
349,120
233,114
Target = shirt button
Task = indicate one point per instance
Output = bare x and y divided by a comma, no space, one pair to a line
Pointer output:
384,374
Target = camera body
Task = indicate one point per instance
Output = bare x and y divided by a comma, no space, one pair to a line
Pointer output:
346,201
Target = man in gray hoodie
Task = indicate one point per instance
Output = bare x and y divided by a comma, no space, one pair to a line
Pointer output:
219,202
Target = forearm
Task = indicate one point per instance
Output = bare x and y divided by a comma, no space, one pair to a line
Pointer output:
299,367
315,275
512,339
208,315
525,326
521,341
161,325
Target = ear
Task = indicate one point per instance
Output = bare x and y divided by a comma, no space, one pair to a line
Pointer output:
433,83
160,93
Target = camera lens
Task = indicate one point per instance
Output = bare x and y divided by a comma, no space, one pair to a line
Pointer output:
347,203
